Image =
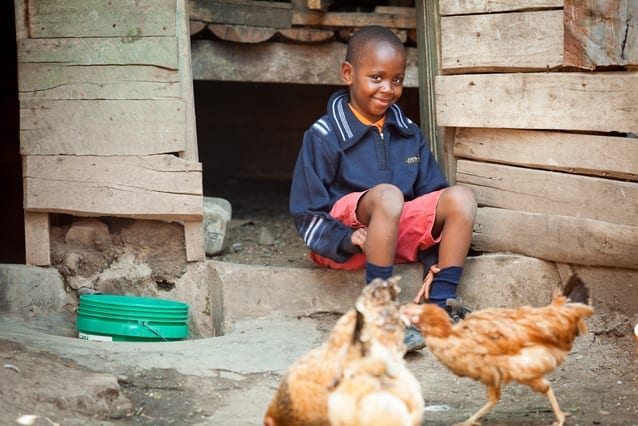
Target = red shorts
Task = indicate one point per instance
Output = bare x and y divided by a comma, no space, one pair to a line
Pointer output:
415,229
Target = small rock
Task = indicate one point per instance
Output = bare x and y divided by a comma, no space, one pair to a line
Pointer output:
265,237
217,215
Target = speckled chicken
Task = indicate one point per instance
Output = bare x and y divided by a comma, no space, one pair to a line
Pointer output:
360,365
496,346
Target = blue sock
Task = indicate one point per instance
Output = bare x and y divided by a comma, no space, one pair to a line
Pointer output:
444,285
375,271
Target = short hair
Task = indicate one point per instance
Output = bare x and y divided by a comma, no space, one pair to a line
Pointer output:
369,35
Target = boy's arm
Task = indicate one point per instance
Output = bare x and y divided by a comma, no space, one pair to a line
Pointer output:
310,202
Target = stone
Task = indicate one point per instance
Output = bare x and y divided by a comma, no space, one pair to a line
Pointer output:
23,287
217,215
88,233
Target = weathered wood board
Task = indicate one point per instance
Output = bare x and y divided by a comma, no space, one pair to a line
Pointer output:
130,19
605,156
353,19
603,102
462,7
502,42
307,35
278,63
190,152
37,238
556,238
61,81
242,12
157,51
150,187
101,127
551,193
601,33
242,33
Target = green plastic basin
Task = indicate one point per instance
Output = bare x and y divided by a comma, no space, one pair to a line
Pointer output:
131,318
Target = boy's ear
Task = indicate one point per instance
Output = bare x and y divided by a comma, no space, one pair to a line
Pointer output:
346,72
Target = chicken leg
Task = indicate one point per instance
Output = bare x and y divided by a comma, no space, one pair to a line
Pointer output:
541,385
493,396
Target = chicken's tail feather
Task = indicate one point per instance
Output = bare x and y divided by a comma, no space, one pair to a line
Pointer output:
576,291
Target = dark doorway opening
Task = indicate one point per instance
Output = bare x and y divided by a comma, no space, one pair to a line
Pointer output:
11,213
249,134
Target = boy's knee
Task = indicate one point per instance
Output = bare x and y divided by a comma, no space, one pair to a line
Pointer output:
388,197
463,200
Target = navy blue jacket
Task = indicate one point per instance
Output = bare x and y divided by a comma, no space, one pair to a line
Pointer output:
340,155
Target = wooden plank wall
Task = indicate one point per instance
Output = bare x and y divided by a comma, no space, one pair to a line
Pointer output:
107,115
549,147
277,42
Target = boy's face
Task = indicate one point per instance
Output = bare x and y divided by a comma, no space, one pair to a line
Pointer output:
375,79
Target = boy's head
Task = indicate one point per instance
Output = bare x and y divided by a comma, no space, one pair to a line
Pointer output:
374,69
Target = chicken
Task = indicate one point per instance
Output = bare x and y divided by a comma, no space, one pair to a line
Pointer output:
496,346
363,354
376,392
377,388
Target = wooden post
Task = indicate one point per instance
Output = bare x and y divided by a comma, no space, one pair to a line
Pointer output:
193,231
36,238
427,21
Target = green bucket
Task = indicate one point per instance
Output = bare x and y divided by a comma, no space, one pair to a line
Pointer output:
113,317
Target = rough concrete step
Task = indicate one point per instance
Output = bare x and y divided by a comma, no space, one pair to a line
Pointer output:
221,294
497,280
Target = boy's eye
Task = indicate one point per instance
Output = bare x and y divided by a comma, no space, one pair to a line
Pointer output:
397,80
376,77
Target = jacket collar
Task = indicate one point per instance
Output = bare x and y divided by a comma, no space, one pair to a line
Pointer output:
350,130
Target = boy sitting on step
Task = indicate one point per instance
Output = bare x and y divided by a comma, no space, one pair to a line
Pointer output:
366,190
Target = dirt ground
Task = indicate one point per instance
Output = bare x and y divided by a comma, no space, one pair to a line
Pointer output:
598,384
261,230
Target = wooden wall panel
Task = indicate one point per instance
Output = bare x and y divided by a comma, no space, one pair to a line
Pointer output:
101,127
283,62
604,156
250,13
503,41
149,187
566,101
462,7
556,238
600,33
539,191
60,81
130,19
157,51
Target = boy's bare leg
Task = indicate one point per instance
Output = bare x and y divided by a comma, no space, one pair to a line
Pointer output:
380,210
454,221
455,213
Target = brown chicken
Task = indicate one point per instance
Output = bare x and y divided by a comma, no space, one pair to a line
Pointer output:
496,346
363,354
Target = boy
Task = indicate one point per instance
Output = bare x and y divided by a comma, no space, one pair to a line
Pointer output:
366,191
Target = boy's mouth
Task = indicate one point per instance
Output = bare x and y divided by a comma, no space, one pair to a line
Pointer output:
384,101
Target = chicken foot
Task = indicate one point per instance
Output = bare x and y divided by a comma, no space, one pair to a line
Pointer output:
493,396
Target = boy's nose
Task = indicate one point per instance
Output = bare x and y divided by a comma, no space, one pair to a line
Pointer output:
387,88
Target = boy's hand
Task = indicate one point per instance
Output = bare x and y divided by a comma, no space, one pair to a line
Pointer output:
358,238
424,292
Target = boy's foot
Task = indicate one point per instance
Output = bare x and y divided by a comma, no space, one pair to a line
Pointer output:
413,339
456,310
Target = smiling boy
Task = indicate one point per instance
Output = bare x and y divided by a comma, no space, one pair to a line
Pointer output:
367,192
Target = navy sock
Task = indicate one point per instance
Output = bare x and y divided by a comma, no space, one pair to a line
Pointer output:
375,271
444,285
